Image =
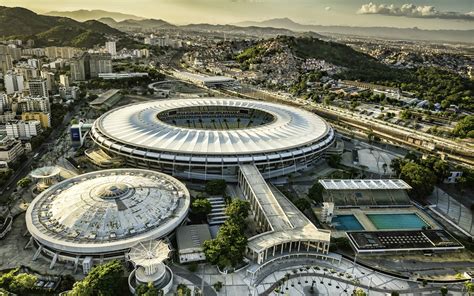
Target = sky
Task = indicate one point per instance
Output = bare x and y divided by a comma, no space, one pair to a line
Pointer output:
428,14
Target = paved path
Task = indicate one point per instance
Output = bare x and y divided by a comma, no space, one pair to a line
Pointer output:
434,290
193,278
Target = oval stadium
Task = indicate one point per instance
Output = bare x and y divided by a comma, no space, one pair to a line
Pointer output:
208,138
101,215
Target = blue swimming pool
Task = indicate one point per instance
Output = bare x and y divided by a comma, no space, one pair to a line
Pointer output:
347,222
396,221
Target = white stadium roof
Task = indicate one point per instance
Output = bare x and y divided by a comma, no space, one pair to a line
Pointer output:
107,211
138,126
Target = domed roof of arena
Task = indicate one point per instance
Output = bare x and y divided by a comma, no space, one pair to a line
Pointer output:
110,209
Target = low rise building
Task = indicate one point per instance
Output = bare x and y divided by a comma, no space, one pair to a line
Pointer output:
43,117
190,241
10,149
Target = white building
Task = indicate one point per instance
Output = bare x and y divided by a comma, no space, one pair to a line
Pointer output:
111,47
64,80
38,87
20,129
10,149
49,78
14,83
35,63
29,104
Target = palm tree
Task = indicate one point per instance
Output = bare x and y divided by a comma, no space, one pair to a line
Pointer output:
469,287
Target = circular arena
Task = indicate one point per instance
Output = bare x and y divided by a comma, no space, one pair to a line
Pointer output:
208,138
101,215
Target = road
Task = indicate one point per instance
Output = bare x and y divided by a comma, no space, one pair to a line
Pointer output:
194,279
24,168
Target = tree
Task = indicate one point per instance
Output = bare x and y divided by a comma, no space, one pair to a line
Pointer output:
394,293
302,204
420,178
23,183
183,290
334,160
216,187
19,283
148,290
465,127
238,211
359,292
228,248
469,286
201,206
102,280
218,286
444,290
316,192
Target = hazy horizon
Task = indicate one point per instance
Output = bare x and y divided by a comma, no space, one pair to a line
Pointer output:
434,14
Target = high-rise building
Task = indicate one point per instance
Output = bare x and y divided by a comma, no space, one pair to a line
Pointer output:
14,83
111,47
54,52
28,72
64,80
50,80
10,149
38,87
5,59
89,65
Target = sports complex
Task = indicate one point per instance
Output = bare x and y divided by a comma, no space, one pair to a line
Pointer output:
209,138
100,215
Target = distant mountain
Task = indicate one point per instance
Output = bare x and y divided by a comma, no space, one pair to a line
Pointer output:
131,24
84,15
378,32
251,30
24,24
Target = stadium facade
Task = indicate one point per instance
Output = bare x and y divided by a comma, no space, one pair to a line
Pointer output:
209,138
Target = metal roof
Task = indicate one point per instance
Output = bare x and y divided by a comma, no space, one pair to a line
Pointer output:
138,126
365,184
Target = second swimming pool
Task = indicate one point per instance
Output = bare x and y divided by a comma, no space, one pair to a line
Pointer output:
396,221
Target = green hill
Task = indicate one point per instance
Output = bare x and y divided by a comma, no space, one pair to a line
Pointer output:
24,24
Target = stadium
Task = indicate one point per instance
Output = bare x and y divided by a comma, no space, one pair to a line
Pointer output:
101,215
209,138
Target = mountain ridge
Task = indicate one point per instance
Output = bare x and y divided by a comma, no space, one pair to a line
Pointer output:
84,14
24,24
376,32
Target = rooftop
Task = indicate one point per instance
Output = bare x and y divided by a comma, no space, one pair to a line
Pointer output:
357,184
113,209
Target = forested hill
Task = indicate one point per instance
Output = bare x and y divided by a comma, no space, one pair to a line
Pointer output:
433,84
24,24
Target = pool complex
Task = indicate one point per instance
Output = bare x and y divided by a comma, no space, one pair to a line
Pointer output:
396,221
347,222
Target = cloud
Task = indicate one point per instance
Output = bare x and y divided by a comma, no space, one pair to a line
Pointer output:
327,8
414,11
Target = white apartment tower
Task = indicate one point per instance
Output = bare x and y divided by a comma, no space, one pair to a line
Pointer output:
111,47
13,83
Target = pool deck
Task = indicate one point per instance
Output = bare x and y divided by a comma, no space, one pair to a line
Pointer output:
361,215
366,223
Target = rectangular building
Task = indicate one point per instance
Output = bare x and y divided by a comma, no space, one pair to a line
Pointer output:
20,129
38,87
10,149
43,117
